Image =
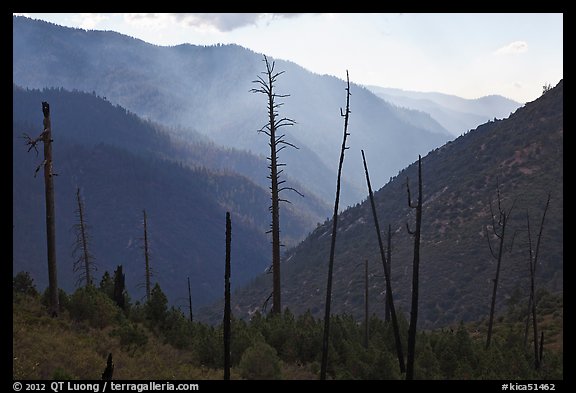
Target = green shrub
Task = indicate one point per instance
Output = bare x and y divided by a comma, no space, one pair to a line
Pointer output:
91,305
260,361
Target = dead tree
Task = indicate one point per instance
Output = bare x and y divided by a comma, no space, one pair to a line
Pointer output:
148,272
389,262
397,339
227,308
531,300
190,301
119,287
326,336
276,143
366,315
84,263
415,272
499,230
46,138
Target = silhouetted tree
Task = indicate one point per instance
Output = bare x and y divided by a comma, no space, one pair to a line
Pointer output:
227,311
148,272
46,138
109,370
84,263
398,341
326,337
277,143
415,272
389,262
190,301
499,230
119,287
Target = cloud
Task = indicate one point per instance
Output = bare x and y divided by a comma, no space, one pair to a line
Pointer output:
90,21
513,48
222,22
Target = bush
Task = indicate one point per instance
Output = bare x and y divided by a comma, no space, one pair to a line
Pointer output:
260,361
131,337
91,305
24,284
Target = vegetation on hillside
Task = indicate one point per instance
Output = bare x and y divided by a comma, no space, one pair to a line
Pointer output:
154,341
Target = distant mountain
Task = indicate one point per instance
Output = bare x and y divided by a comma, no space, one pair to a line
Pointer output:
455,114
124,164
524,153
208,89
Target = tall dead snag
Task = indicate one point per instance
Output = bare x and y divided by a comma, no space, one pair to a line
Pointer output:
415,272
227,308
390,299
326,336
147,258
389,261
277,143
46,138
84,263
499,230
190,301
366,316
531,301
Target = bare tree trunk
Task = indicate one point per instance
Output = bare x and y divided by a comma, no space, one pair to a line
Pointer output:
227,308
389,261
326,336
46,138
147,258
415,273
84,262
119,286
366,316
502,221
397,339
532,297
276,144
190,301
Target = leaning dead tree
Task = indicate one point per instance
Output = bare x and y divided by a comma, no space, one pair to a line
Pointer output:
84,263
227,307
531,300
46,138
277,143
326,337
415,272
390,298
499,231
190,301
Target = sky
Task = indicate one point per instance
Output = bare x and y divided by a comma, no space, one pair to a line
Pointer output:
469,55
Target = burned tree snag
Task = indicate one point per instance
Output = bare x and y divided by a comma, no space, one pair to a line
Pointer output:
84,263
147,258
46,138
326,337
415,273
276,143
227,308
119,286
390,299
109,370
190,301
499,230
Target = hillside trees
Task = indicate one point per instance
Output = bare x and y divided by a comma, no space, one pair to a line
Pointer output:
276,143
326,337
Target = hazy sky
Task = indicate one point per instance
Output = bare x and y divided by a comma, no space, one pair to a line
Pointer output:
469,55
